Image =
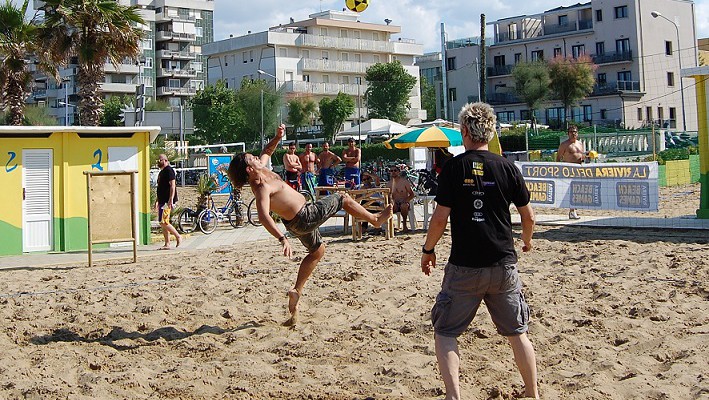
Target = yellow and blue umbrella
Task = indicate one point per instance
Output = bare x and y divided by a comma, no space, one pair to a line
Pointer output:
433,136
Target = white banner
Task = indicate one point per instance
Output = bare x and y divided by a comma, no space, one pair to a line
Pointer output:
607,186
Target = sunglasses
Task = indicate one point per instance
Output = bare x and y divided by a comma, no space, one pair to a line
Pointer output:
393,170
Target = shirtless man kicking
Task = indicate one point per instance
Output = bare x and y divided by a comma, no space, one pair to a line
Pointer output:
401,194
300,219
572,151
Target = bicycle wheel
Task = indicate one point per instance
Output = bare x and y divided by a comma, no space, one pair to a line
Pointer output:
253,213
187,221
236,215
308,196
207,221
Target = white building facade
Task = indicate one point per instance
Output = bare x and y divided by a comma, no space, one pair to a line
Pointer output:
636,46
317,57
171,66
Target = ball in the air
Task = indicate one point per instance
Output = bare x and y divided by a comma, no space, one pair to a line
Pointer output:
357,5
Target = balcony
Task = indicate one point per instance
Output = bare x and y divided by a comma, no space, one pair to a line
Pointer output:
39,94
176,55
602,89
176,73
613,57
320,88
502,98
331,42
176,91
499,70
353,67
162,36
107,87
552,29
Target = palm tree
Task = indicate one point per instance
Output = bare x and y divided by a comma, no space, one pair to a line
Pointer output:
96,32
19,41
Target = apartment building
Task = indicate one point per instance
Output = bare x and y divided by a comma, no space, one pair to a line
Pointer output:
318,57
638,46
171,66
462,66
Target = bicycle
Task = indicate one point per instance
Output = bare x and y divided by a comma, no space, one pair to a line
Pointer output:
253,212
232,211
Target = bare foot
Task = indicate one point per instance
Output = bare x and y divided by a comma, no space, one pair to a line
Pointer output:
293,298
166,247
383,216
179,240
405,230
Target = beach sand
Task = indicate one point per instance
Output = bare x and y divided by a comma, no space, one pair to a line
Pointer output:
616,314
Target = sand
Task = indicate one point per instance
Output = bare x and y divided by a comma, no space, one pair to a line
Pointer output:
616,314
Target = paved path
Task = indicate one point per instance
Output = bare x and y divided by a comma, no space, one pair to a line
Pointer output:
225,235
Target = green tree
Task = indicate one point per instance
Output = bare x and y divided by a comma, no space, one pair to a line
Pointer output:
217,119
300,113
249,101
334,112
388,91
94,31
571,79
112,109
19,41
428,99
532,85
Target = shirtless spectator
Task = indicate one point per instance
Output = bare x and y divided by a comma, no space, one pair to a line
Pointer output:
308,160
572,151
401,194
291,162
352,157
327,160
301,219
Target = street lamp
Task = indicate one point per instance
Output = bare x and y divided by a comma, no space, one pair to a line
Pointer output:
275,86
656,14
66,100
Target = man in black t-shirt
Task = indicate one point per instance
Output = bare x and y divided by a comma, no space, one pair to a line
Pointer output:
476,189
167,197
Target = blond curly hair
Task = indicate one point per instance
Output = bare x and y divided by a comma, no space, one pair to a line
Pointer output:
480,120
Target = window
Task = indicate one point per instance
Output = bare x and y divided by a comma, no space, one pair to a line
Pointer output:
148,63
326,78
648,113
660,114
226,63
358,80
452,94
306,53
343,33
578,50
344,56
557,52
587,113
306,78
601,79
251,55
198,31
512,31
499,61
599,15
640,114
375,58
196,66
518,58
147,44
345,79
670,79
604,113
668,47
622,46
557,115
621,12
323,31
244,56
450,64
624,76
173,83
563,20
600,48
197,85
673,117
325,55
538,55
283,52
358,57
506,116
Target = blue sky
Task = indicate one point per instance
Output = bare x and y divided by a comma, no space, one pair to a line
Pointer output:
419,19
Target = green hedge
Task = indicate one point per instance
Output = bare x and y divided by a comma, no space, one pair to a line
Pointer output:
370,152
546,141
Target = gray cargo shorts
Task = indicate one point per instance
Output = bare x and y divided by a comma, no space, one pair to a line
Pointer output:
305,224
463,289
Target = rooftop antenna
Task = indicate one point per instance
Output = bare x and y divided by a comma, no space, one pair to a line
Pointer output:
320,5
387,20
